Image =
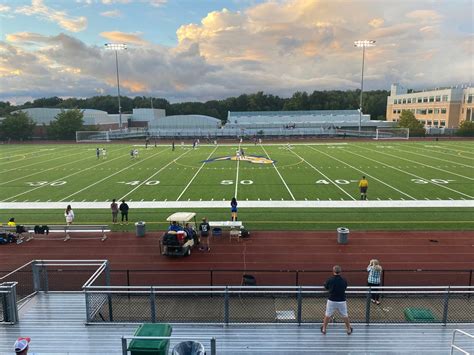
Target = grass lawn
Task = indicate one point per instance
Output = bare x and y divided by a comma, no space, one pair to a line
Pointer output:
397,171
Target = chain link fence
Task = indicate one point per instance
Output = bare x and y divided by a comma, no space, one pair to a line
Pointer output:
259,304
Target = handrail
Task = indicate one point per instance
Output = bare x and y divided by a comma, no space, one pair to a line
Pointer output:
455,347
212,341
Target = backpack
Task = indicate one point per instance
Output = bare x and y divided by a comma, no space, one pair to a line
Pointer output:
244,233
41,229
20,229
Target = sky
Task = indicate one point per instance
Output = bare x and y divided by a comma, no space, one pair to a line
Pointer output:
199,50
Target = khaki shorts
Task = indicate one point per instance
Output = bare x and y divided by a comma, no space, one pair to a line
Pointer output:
332,307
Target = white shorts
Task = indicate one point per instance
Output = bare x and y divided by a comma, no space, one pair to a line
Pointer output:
332,307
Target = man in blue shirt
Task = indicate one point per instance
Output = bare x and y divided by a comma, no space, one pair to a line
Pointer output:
336,286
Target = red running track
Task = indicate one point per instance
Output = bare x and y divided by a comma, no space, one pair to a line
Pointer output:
430,250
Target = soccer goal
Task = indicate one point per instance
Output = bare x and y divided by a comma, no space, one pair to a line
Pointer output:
92,136
392,133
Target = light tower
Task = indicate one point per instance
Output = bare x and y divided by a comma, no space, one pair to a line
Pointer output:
117,47
363,44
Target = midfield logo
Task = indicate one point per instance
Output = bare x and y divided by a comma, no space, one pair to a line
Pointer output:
254,159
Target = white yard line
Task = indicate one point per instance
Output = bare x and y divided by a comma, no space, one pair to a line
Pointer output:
425,156
197,172
54,167
458,144
237,176
148,179
320,172
416,176
63,155
109,176
61,178
247,204
430,149
366,174
281,177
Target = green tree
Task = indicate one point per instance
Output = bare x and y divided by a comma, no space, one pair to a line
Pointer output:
408,120
466,129
66,123
17,125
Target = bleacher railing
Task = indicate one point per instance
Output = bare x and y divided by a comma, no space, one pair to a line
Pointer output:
275,304
462,348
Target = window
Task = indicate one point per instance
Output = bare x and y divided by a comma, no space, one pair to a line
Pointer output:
430,111
470,99
404,101
423,121
436,111
394,111
445,98
435,123
418,111
438,98
425,99
443,123
428,123
443,111
395,101
423,112
431,98
419,99
399,111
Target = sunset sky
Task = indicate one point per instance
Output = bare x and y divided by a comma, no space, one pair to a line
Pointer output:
198,50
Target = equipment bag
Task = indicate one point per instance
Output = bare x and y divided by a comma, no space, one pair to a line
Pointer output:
244,233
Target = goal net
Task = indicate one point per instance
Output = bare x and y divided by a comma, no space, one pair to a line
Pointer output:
92,136
392,133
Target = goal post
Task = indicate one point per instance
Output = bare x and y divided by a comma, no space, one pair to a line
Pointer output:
92,136
392,133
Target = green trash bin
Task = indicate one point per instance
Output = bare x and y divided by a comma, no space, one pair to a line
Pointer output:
149,346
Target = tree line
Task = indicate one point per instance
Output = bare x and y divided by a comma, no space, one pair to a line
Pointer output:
374,103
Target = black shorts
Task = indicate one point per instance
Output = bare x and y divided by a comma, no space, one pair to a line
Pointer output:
363,190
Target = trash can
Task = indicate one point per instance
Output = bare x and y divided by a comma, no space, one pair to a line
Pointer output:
150,346
342,235
140,229
189,348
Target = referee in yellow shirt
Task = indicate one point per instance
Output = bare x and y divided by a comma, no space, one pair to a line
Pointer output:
363,186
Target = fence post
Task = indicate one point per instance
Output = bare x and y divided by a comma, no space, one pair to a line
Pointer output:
152,305
297,278
470,278
300,305
36,276
226,306
446,306
88,314
124,346
212,278
44,270
367,305
213,346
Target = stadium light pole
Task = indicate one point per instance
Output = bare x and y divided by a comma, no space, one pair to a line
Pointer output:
117,47
363,44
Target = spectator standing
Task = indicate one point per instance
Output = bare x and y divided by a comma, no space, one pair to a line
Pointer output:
97,152
336,285
115,211
363,186
21,346
233,209
124,211
172,146
375,277
204,229
11,222
69,214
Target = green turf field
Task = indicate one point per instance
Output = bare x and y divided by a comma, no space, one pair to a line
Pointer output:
397,171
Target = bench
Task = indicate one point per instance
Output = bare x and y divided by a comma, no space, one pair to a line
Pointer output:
234,226
78,228
20,237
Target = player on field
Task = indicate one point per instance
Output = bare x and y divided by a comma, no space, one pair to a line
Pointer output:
104,153
97,152
363,186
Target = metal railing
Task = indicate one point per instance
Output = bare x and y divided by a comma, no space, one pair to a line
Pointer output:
8,310
212,341
274,304
458,348
224,277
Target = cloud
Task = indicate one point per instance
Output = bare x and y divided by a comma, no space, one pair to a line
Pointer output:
4,8
275,46
69,23
122,37
111,13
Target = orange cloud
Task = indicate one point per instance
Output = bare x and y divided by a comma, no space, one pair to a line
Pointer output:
123,37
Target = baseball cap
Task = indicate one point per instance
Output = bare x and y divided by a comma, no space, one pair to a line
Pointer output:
21,344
